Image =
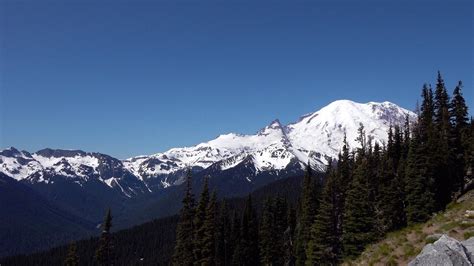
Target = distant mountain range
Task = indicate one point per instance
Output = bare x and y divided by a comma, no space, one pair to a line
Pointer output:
83,184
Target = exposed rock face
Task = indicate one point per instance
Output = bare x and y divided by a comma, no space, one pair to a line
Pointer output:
446,251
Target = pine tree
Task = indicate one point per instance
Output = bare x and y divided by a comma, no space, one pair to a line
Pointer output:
266,233
272,232
420,165
418,182
390,208
72,258
344,175
441,105
247,252
362,139
250,233
324,247
104,252
183,251
208,250
406,137
289,234
224,236
237,251
443,176
199,217
460,138
396,153
359,222
309,206
389,201
280,214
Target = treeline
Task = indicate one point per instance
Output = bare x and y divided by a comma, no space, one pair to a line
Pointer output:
369,191
151,243
147,244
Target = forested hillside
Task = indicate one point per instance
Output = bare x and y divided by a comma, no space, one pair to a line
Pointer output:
150,243
369,191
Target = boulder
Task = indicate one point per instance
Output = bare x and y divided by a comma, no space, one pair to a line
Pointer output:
446,251
469,245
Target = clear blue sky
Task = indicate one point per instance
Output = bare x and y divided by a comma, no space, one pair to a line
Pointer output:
139,77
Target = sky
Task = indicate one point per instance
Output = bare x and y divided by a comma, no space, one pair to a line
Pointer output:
127,78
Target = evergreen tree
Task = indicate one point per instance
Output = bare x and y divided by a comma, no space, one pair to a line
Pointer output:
237,253
289,234
389,201
224,242
272,232
460,138
247,252
441,106
362,139
406,137
442,163
419,177
344,176
208,242
325,244
266,233
104,252
396,153
72,258
359,222
183,251
309,206
198,225
280,215
390,208
418,183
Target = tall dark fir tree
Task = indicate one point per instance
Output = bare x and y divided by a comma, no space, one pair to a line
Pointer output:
359,214
209,239
419,177
441,153
72,259
199,219
247,249
325,246
183,251
460,139
309,207
104,254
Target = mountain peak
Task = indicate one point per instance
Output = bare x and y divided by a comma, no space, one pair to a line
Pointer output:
274,125
59,153
10,152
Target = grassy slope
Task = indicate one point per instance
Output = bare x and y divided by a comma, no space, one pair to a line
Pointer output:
400,247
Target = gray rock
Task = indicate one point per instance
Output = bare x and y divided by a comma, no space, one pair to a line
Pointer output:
469,245
445,251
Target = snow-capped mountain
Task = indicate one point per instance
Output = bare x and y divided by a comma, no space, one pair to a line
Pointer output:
47,165
275,149
315,137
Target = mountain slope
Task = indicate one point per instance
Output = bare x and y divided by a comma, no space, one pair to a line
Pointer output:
145,240
400,247
30,222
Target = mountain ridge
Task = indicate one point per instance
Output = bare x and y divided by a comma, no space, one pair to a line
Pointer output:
314,138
